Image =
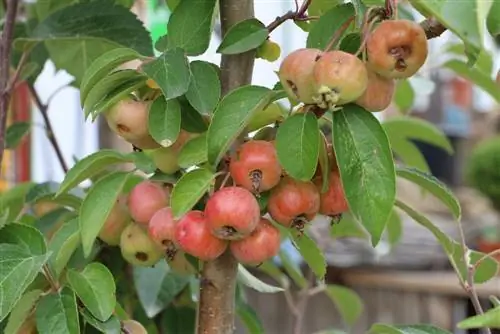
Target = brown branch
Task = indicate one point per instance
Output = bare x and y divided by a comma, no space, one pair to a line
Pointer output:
298,14
48,127
5,50
216,309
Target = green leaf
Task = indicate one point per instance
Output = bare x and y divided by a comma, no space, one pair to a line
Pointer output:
320,7
244,36
194,152
408,153
292,269
394,228
481,79
488,267
44,8
205,88
311,253
328,24
297,145
249,318
351,43
366,167
21,311
97,206
232,116
490,319
191,24
170,71
348,227
466,21
164,121
102,66
246,278
419,129
406,329
13,200
57,313
90,166
191,120
25,236
157,286
110,326
87,30
179,319
19,270
347,302
189,190
493,19
143,162
15,133
434,186
63,245
95,287
404,96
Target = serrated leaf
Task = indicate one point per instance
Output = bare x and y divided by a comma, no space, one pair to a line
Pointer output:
347,301
110,326
102,66
170,71
366,167
311,253
19,270
246,278
249,318
87,30
408,153
15,133
97,206
189,190
297,145
63,244
244,36
25,236
194,152
192,23
328,24
406,329
394,228
488,267
157,286
232,116
90,166
434,186
204,88
490,319
483,80
164,121
21,311
404,95
57,313
320,7
419,129
95,287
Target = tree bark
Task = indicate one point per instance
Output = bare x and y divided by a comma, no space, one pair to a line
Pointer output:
216,309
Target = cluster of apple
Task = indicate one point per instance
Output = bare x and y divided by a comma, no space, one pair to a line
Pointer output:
395,49
143,225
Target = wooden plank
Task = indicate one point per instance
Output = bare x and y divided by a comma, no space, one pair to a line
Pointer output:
440,282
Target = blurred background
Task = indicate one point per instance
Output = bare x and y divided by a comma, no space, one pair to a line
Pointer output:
408,283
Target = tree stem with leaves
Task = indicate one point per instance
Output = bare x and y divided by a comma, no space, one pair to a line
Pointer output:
5,85
216,309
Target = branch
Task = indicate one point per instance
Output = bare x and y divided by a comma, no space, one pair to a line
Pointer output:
5,50
48,127
216,309
298,14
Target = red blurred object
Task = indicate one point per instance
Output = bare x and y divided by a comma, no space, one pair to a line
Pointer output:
21,112
486,246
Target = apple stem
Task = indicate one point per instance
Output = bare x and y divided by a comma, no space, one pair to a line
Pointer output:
338,33
216,308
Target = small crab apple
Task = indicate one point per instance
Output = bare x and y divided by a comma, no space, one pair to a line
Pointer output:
133,327
397,48
296,74
262,244
180,264
166,158
145,199
116,222
378,94
129,120
333,201
193,236
292,203
161,229
232,213
269,51
255,166
138,248
339,77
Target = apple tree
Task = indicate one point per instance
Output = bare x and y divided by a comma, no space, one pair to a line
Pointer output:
168,236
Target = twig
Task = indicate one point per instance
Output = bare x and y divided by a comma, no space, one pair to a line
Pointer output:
302,304
53,282
48,127
17,73
298,14
5,51
339,33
